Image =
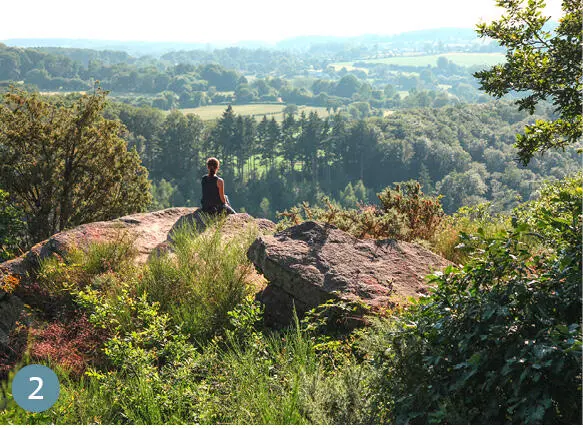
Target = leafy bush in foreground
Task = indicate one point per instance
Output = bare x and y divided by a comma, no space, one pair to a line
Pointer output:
499,341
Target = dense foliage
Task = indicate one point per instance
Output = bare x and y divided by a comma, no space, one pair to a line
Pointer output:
64,166
463,152
499,340
540,65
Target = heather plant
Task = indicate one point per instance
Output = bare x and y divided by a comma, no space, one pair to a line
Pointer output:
404,213
73,345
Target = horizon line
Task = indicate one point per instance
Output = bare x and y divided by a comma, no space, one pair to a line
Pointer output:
224,41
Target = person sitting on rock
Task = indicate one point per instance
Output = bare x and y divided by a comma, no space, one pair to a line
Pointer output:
214,200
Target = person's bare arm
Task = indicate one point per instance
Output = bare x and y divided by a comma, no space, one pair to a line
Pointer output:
221,185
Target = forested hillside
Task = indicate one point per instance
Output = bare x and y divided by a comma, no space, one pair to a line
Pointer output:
464,153
334,74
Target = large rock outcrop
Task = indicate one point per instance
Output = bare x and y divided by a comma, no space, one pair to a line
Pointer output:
149,232
311,263
145,230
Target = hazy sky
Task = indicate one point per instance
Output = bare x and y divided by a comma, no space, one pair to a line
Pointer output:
230,21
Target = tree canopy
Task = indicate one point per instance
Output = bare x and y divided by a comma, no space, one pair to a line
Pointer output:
67,165
542,64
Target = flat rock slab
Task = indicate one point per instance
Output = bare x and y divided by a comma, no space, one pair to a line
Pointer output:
233,225
311,263
145,230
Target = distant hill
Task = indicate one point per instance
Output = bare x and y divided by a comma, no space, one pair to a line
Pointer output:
134,48
409,39
433,35
301,43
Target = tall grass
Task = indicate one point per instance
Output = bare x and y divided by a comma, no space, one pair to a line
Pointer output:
201,279
79,266
266,380
116,255
467,221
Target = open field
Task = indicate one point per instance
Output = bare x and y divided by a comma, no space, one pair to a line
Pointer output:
459,58
403,94
62,92
348,65
213,112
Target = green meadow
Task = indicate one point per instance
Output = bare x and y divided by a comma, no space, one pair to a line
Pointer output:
459,58
213,112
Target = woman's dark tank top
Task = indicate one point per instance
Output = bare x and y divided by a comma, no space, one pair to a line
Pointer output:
210,192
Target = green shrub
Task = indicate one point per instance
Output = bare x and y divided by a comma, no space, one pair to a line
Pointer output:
101,265
154,381
154,368
552,215
157,376
499,341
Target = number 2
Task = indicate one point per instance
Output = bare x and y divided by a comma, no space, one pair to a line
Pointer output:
33,396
